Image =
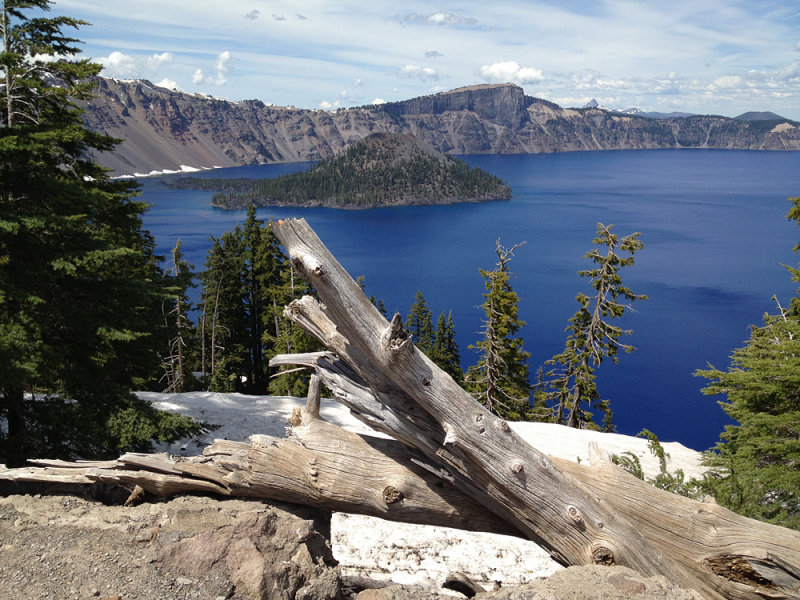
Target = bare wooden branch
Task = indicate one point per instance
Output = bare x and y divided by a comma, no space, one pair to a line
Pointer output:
319,465
578,522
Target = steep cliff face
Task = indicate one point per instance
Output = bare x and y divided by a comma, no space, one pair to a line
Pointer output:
162,129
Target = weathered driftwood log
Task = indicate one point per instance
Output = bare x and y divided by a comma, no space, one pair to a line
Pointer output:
610,518
319,464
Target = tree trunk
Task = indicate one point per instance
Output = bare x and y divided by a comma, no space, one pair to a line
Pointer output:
454,461
712,550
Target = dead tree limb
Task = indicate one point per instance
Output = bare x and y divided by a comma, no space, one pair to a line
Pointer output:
319,464
709,549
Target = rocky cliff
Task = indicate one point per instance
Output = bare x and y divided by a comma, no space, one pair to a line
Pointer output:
163,129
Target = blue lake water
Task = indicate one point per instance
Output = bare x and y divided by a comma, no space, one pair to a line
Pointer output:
715,237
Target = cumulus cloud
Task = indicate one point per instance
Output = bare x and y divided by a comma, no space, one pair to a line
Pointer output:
253,15
118,64
169,84
417,72
122,65
379,101
278,17
223,67
433,54
199,77
157,60
325,105
439,18
510,71
787,77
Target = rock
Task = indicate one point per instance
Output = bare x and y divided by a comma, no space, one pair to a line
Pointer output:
188,547
594,582
164,129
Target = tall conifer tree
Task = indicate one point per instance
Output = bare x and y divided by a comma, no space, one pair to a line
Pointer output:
571,384
445,351
758,458
419,323
80,287
500,378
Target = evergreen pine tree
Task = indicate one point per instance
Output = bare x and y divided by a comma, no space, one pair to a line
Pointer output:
80,286
572,387
500,378
419,323
226,319
445,351
281,335
758,459
179,331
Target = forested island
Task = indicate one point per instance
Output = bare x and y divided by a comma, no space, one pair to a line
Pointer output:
384,169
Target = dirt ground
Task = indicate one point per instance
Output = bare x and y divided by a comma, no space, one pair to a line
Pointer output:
75,547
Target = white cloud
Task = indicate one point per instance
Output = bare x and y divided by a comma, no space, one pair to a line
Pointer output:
122,65
223,67
439,18
433,54
325,105
198,77
118,64
511,72
168,84
157,60
417,72
379,101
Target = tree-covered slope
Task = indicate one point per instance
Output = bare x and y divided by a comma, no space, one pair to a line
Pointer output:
382,170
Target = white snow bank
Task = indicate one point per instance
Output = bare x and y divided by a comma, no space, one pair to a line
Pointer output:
410,554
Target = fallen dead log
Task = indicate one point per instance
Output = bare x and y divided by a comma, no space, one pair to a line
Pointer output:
610,519
319,464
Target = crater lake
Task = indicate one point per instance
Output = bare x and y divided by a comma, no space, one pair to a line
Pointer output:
715,239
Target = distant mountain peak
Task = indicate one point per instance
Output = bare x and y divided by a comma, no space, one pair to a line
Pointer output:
760,116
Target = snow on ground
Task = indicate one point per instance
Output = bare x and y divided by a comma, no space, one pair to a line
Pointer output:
410,554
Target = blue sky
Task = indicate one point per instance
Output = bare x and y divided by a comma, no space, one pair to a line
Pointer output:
704,56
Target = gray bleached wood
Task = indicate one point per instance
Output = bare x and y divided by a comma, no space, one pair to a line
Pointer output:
614,520
319,464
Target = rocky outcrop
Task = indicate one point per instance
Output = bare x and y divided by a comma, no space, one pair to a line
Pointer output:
66,546
189,547
163,129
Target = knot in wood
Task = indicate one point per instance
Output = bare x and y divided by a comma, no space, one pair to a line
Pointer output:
426,382
517,466
392,495
574,514
603,556
503,425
